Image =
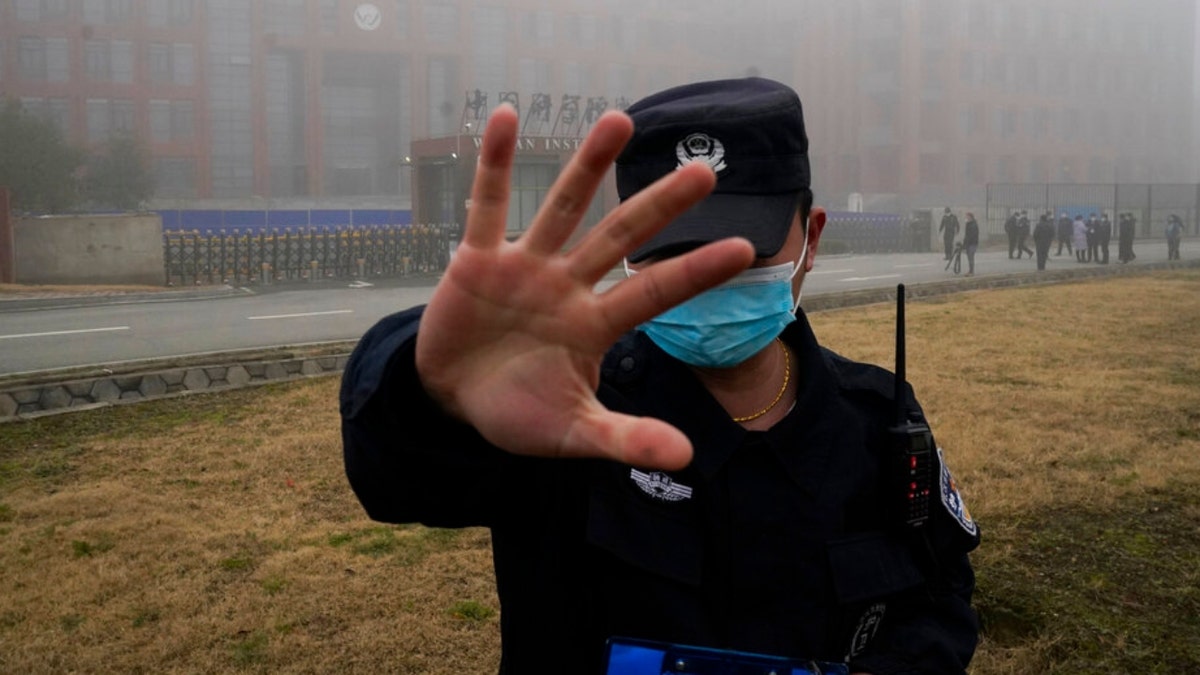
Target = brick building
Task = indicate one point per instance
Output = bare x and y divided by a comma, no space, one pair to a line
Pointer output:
308,101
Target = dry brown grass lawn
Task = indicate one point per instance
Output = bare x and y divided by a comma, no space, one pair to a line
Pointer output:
217,533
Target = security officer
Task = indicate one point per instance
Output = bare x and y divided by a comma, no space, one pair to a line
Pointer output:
948,229
713,478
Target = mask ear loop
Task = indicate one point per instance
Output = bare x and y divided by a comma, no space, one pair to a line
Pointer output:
799,266
629,272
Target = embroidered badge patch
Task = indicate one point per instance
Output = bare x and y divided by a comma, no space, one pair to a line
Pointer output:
868,625
952,499
701,147
660,486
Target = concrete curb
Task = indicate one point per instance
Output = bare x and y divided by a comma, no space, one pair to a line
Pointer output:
69,301
36,395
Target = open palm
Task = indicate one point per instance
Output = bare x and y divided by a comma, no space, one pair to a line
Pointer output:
513,336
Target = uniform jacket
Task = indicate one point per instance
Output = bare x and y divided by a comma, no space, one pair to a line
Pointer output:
778,542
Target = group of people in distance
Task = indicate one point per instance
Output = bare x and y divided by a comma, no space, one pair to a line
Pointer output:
1088,239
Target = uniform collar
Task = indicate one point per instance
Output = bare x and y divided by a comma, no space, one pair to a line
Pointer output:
674,394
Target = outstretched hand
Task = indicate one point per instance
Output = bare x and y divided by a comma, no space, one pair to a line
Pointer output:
513,336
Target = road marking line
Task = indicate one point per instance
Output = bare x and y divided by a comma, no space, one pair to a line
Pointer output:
880,276
64,332
297,316
899,267
848,269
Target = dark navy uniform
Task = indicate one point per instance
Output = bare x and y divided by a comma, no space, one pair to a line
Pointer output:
779,541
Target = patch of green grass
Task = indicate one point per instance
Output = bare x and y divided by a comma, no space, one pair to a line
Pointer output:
406,549
1116,589
85,549
470,610
6,513
71,622
235,563
145,617
250,649
273,584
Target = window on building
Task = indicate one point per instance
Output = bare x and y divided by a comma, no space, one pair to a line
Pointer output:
99,119
96,59
1004,168
330,15
158,62
2,55
1008,123
122,117
94,11
31,58
971,120
286,17
539,28
441,23
160,121
530,183
1038,171
491,49
58,59
169,12
183,64
183,120
175,176
28,10
975,169
444,95
404,18
52,9
933,169
534,75
589,31
121,61
56,111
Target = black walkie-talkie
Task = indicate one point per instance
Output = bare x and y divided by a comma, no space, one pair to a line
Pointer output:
913,441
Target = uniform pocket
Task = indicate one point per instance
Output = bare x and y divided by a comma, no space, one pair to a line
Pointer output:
646,536
872,565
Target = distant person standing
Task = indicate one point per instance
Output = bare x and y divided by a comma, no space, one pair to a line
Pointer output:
1010,230
1079,232
1064,233
1023,235
1093,230
1174,236
1103,237
1125,231
1043,236
970,242
949,230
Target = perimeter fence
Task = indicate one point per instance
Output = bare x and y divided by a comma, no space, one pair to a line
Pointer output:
1150,203
305,254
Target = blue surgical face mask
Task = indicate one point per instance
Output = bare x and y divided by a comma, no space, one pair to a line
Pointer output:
726,325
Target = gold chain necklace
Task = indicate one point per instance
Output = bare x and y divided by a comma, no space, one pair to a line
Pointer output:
787,377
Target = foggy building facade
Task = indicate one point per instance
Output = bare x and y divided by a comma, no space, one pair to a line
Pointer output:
925,103
908,103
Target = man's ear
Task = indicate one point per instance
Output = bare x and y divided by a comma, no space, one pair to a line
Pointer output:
816,225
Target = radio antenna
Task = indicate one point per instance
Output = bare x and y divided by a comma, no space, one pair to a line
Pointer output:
900,356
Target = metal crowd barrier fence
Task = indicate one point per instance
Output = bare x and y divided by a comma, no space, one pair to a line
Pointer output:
868,232
304,254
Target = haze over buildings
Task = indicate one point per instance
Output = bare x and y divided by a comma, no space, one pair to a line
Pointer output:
911,104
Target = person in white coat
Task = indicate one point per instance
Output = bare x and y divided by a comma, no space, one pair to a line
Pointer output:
1079,239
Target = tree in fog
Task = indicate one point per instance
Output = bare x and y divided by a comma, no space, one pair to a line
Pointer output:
119,175
37,164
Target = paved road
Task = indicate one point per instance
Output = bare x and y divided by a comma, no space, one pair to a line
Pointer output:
54,337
